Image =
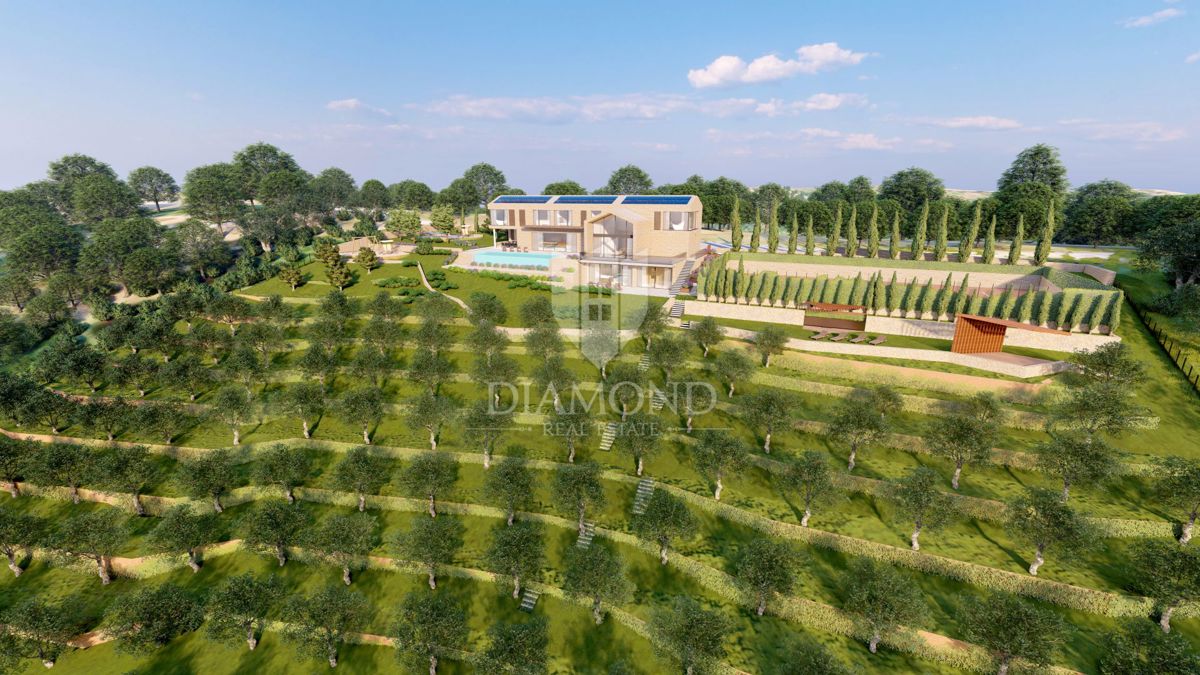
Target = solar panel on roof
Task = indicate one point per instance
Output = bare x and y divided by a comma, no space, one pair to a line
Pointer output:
522,199
657,199
586,199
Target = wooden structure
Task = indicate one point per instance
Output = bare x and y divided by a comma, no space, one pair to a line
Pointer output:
981,334
853,320
833,307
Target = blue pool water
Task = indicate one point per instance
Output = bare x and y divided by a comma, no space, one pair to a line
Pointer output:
514,258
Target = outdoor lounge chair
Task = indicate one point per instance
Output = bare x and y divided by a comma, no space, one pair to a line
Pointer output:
839,337
862,337
820,336
878,340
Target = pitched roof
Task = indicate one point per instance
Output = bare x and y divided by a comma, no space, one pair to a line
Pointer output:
1011,324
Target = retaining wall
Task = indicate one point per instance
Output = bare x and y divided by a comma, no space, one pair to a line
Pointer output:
1101,274
944,330
983,280
721,310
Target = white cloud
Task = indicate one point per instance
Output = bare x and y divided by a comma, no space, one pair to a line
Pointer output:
985,122
657,147
810,59
1151,19
355,104
603,108
1192,58
813,136
1134,132
816,102
195,96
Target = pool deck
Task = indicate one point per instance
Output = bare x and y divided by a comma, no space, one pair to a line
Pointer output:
559,264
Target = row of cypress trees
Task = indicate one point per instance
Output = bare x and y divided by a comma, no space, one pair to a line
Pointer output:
917,247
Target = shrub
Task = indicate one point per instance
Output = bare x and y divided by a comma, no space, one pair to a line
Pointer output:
397,282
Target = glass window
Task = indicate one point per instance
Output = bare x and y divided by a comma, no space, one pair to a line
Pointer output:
678,220
499,216
563,218
541,217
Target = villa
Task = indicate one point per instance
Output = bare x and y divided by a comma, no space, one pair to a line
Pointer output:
622,241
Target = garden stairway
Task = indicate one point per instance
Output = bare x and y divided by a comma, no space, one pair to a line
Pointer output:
608,436
681,279
645,488
657,400
676,309
529,599
585,536
644,362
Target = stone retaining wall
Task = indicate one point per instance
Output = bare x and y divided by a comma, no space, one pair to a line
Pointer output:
981,280
721,310
1103,275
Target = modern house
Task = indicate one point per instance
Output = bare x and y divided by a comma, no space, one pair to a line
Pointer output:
623,241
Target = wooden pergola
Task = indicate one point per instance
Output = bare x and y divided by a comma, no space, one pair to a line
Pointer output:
975,334
833,307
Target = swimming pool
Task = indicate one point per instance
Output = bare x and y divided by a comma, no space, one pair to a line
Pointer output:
514,258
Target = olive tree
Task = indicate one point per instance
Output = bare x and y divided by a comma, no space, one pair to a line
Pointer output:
690,634
510,486
1011,628
1140,648
861,419
237,609
770,410
148,618
1177,484
917,498
345,541
578,488
182,529
707,332
431,412
40,630
769,342
319,623
596,574
766,568
429,475
967,435
518,552
209,476
666,517
128,469
363,407
273,527
362,473
304,400
283,467
884,599
640,435
716,453
516,648
431,543
233,407
1169,574
93,537
810,479
733,366
1040,518
429,627
483,426
571,425
19,534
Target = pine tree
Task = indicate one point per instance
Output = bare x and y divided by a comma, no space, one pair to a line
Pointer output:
810,239
735,226
941,241
1014,249
1042,253
966,244
894,242
793,234
873,233
921,236
756,233
852,233
989,244
835,233
773,229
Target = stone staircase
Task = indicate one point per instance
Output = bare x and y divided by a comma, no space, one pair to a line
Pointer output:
644,362
682,279
529,599
608,436
686,325
658,400
645,488
585,536
676,309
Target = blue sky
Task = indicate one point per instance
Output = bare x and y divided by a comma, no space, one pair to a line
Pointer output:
797,93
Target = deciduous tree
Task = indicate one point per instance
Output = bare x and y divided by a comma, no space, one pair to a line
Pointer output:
183,529
429,627
431,543
597,574
715,453
518,552
362,473
666,518
345,541
1012,628
1041,519
237,609
690,634
319,623
884,599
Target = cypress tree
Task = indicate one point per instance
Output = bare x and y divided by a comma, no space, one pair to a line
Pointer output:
1026,311
1010,303
921,237
966,244
942,302
941,241
719,285
735,225
873,233
879,294
893,295
1063,310
857,290
1014,249
926,301
818,290
960,298
810,240
835,233
804,293
911,292
777,289
852,233
1043,307
1042,253
976,305
727,289
753,284
833,288
894,242
1114,312
869,298
793,234
989,244
773,229
756,233
789,291
985,307
1079,307
739,281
